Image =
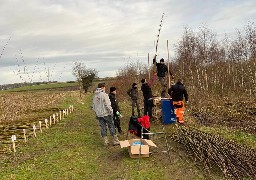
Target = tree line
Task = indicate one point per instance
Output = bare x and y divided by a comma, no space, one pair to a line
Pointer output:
217,66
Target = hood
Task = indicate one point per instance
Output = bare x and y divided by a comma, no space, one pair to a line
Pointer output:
112,95
179,83
98,90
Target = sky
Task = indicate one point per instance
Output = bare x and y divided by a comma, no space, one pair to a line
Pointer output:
45,37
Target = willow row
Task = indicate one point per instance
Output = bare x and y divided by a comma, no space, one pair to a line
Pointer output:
235,161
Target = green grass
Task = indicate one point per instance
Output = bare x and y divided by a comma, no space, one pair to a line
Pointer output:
73,149
41,87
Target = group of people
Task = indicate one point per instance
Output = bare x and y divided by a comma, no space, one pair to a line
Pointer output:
162,71
147,98
108,112
177,92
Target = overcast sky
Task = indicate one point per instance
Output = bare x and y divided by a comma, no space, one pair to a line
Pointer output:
41,35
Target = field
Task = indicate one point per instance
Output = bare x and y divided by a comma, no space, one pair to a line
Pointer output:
73,149
43,87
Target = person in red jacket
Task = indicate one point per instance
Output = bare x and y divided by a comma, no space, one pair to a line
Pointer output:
178,92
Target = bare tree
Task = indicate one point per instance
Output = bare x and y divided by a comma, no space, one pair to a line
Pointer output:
84,75
221,67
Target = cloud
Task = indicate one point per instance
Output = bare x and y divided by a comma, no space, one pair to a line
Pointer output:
103,33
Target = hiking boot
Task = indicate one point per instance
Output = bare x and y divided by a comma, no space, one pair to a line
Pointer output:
115,140
181,123
105,139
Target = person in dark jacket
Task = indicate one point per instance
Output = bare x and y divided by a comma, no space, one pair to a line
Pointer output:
133,93
178,92
162,70
147,94
116,110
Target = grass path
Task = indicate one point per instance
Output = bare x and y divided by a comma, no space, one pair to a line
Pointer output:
73,149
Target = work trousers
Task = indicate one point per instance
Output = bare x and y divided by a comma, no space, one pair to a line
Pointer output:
135,104
104,122
148,104
179,110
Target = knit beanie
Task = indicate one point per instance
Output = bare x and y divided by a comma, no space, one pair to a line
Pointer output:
112,89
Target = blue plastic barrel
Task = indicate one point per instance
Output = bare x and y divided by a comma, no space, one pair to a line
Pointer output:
168,114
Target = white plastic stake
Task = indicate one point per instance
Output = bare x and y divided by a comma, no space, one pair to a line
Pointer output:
13,138
57,117
60,115
50,121
46,123
34,130
40,126
63,114
54,120
24,133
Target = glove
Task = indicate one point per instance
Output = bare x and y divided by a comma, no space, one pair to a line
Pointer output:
119,114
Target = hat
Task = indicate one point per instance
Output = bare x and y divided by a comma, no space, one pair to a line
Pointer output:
134,84
112,89
101,85
162,60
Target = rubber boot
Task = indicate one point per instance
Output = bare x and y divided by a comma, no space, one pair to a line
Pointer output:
105,139
115,140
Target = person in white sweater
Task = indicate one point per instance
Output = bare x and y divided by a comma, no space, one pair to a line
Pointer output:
104,113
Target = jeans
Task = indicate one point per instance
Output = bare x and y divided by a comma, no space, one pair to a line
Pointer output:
106,120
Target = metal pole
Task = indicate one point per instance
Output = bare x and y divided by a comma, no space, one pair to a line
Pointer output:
167,145
140,144
148,68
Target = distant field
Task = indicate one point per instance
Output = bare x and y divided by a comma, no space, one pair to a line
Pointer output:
42,87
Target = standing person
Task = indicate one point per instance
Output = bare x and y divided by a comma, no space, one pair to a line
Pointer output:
147,94
116,110
177,92
161,73
133,93
104,113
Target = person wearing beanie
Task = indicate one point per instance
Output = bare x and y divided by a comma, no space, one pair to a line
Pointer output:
133,93
104,113
177,92
116,110
162,70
